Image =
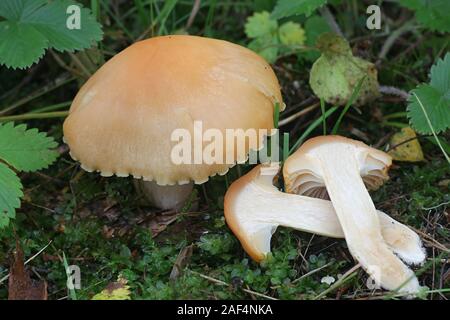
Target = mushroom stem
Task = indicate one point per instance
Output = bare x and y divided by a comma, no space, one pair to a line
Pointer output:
165,197
254,208
359,220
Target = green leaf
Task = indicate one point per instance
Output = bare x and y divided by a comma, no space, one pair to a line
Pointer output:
314,27
440,75
336,74
26,150
266,46
291,34
436,106
287,8
431,14
260,24
32,26
10,194
435,98
20,44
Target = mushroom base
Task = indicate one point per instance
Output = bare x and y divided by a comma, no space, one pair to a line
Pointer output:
164,197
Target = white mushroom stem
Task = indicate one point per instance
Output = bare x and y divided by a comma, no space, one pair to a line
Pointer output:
165,197
254,208
359,220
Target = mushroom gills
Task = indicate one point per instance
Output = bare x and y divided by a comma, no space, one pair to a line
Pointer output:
254,208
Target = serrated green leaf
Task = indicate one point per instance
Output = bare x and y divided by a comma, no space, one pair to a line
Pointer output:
26,150
34,25
287,8
440,75
291,34
260,24
431,14
436,106
20,45
435,98
10,194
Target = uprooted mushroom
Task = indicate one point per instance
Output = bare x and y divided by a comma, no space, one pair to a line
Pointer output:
254,208
333,168
339,168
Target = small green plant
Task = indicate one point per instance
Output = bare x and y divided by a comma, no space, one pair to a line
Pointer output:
287,8
29,27
432,15
24,150
435,99
269,39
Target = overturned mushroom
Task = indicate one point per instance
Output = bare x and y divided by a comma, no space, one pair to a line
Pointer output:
339,164
123,119
254,208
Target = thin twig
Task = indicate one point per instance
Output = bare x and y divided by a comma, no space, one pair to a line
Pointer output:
26,262
297,115
326,13
312,272
222,283
193,14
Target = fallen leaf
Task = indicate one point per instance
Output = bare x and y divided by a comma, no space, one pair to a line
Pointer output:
21,286
118,290
409,151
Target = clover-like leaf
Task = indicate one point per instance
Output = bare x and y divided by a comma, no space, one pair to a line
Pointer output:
291,34
260,24
287,8
10,194
32,26
266,46
26,150
432,100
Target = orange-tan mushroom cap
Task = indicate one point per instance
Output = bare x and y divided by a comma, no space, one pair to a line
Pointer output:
122,120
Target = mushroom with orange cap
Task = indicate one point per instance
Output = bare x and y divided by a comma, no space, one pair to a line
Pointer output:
122,120
254,208
341,166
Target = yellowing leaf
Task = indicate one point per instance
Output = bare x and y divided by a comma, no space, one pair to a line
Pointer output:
409,151
118,290
291,34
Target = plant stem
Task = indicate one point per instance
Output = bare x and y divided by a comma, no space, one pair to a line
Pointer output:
29,116
431,127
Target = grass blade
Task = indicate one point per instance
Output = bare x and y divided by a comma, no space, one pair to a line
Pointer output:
311,127
355,93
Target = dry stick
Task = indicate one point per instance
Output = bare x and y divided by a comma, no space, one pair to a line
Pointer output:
393,91
193,14
409,26
326,13
297,115
431,240
312,272
26,262
344,278
222,283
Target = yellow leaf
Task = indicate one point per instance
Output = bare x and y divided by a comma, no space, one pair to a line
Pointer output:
118,290
409,151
